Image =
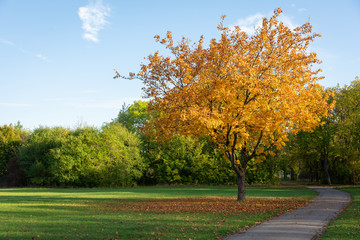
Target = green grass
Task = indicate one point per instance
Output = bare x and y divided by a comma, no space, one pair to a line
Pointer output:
347,225
48,213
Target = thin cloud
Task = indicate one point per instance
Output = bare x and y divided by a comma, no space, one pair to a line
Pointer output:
302,10
42,57
93,17
24,51
7,42
2,104
254,22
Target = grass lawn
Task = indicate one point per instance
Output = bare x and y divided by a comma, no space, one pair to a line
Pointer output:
139,213
347,225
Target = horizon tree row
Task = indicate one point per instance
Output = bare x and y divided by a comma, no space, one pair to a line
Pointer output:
120,154
115,155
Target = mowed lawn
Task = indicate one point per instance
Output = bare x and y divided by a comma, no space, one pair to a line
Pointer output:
347,225
140,213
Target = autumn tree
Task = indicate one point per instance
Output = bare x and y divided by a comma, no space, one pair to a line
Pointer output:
247,93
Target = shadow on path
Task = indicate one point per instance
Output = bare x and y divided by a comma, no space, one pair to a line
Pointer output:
302,224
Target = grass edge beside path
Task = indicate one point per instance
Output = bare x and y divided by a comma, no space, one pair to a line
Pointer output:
347,224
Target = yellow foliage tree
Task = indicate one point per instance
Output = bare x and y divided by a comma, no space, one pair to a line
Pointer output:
246,92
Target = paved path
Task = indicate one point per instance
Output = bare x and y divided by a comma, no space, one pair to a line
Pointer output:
302,224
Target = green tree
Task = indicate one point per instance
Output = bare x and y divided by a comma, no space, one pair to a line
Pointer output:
175,161
265,172
331,152
76,161
308,153
120,154
289,160
134,116
346,164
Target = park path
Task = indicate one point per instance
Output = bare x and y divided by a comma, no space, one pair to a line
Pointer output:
302,224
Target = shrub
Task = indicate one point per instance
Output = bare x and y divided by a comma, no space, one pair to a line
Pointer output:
85,157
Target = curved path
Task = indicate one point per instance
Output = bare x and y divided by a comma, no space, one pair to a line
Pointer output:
302,224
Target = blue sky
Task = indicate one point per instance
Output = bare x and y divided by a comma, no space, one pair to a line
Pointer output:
57,57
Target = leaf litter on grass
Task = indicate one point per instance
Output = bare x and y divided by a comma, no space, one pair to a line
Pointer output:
189,217
216,205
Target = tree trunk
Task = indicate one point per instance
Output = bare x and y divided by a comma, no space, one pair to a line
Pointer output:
285,175
326,168
240,170
292,174
241,185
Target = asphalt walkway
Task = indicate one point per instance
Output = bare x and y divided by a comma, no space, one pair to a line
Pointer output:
302,224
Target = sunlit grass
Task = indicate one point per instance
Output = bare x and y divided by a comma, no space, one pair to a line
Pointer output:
42,213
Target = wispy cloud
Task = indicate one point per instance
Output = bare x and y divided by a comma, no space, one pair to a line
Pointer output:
7,42
42,57
12,44
2,104
254,22
302,10
93,17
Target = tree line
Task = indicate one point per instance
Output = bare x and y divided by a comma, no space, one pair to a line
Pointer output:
120,154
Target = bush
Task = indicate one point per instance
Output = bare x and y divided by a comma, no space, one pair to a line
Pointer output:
36,157
85,157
